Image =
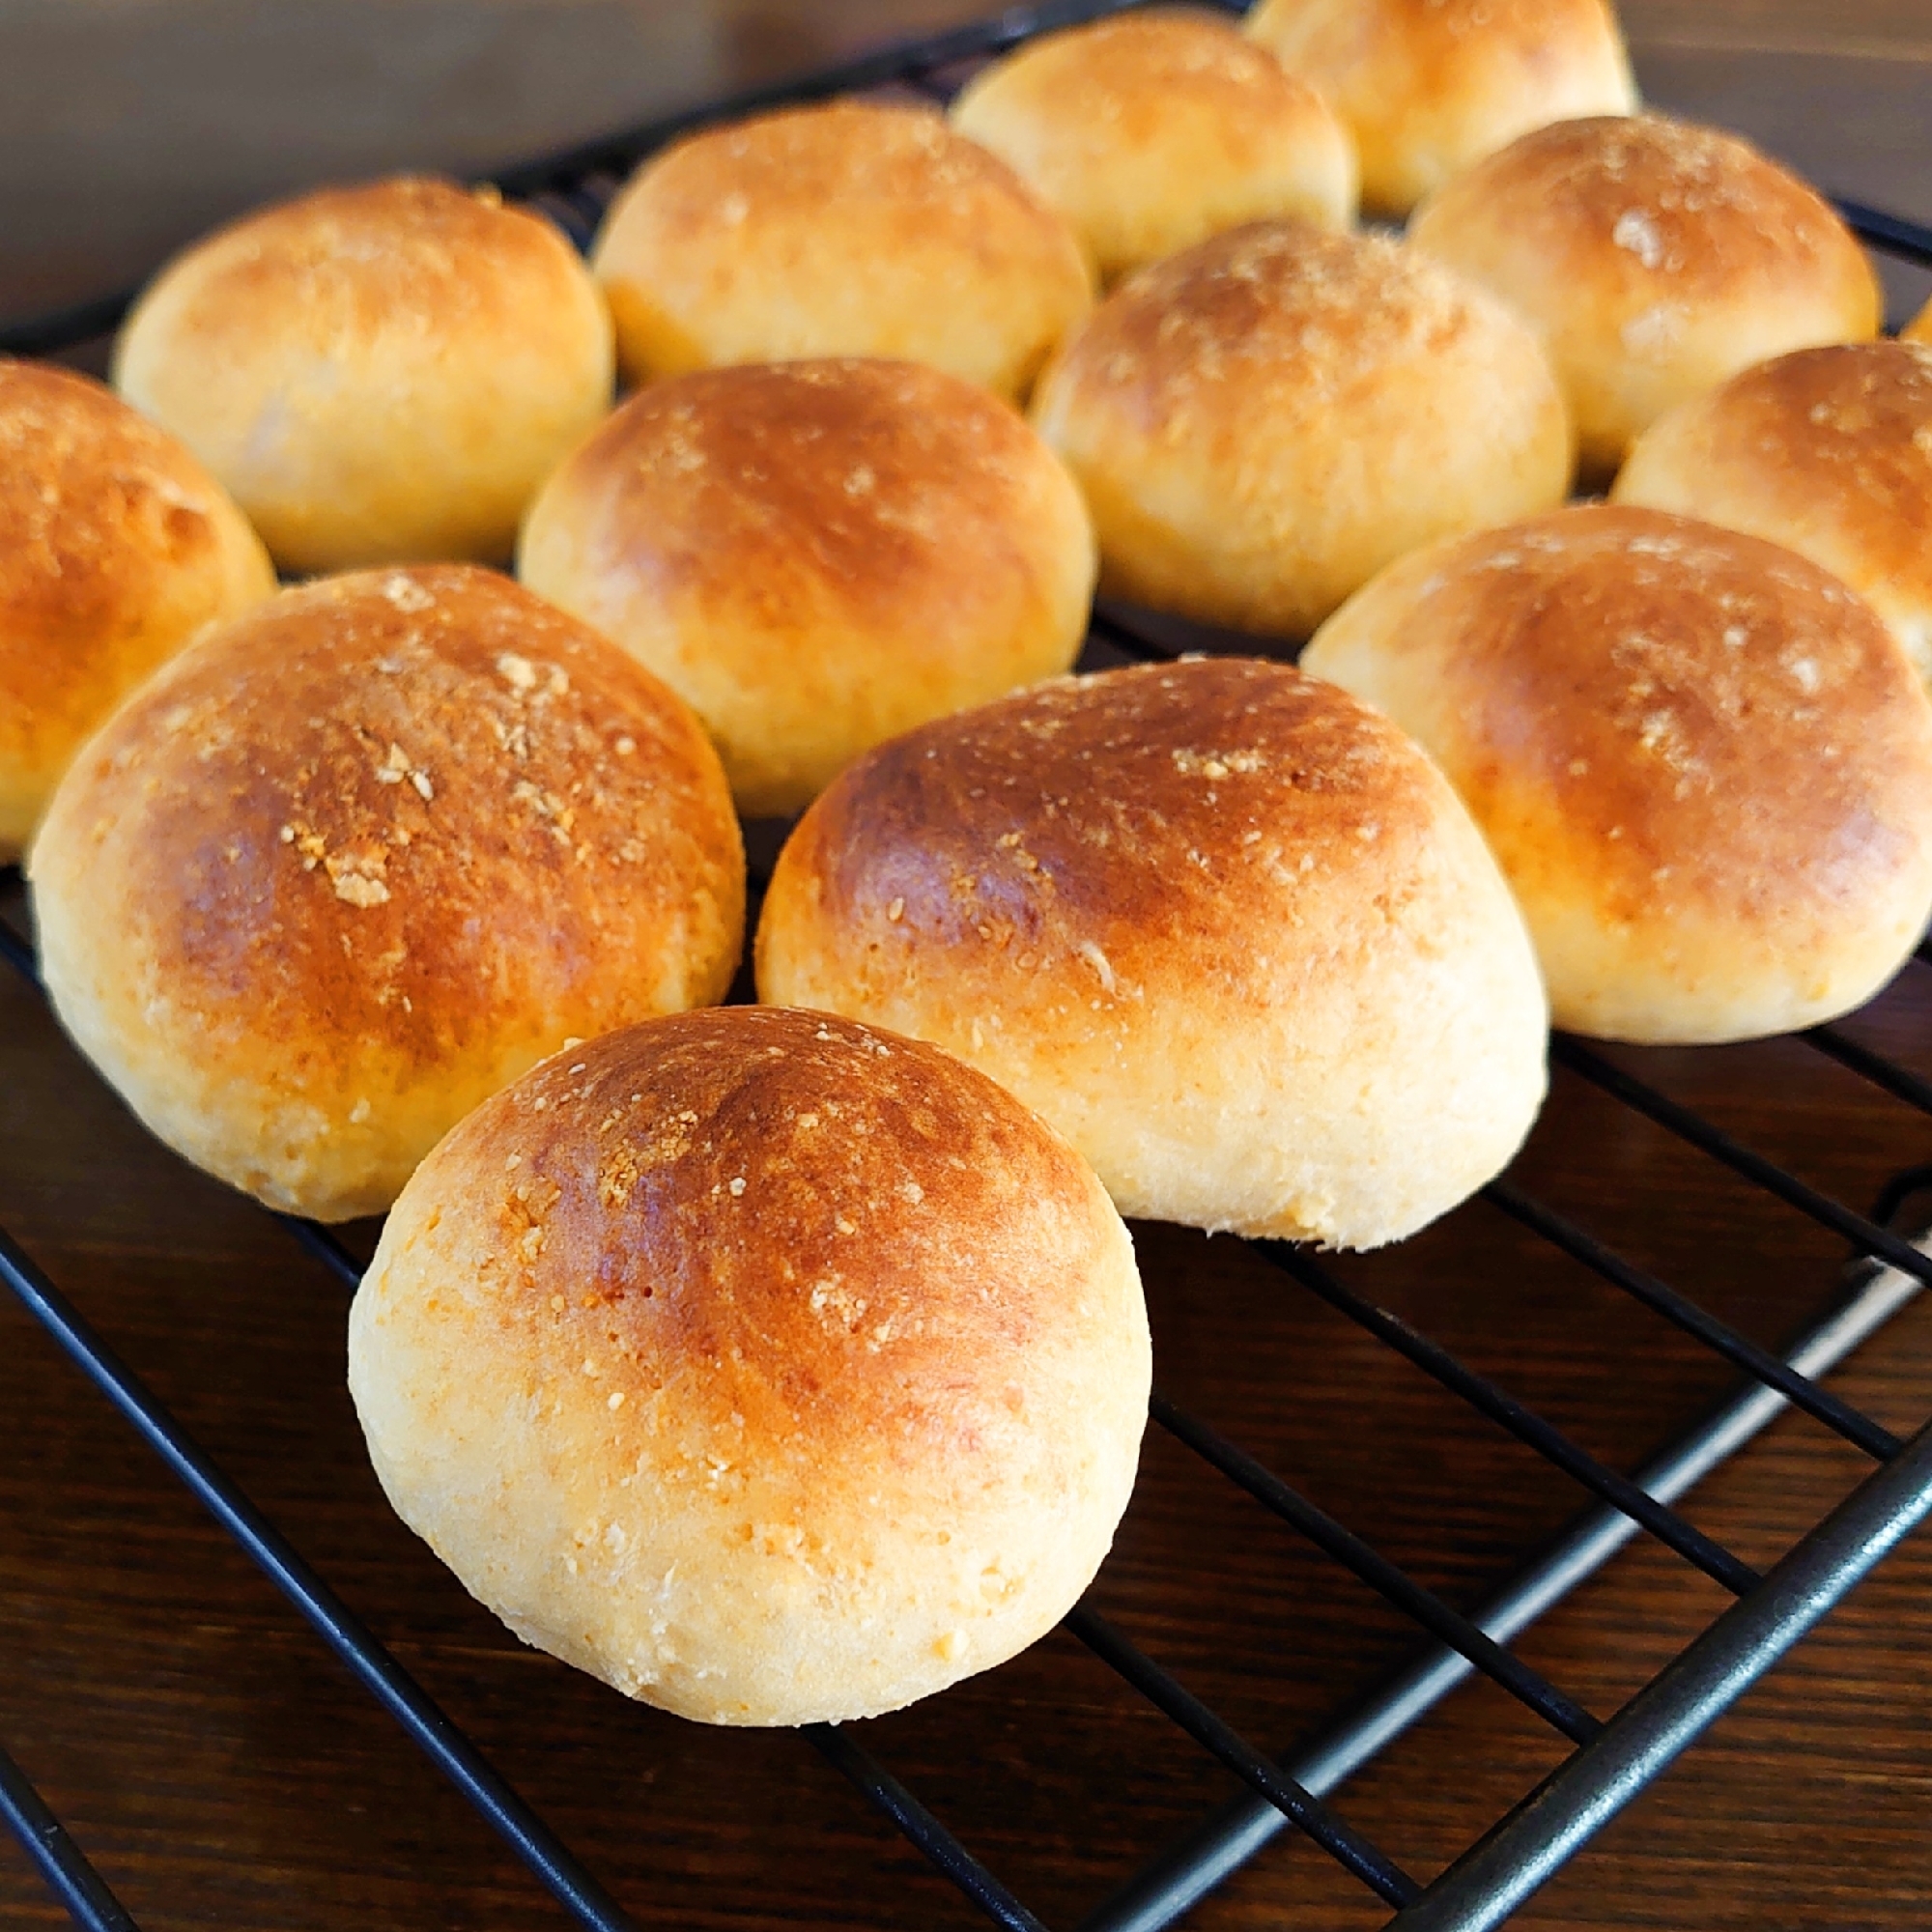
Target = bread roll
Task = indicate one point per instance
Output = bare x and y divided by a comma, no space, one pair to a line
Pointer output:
1919,329
1223,927
356,858
116,546
1261,424
380,374
1827,451
817,556
772,1369
851,229
1704,763
1430,86
1152,130
1657,259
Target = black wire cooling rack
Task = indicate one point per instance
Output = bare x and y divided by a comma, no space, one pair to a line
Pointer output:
1610,1760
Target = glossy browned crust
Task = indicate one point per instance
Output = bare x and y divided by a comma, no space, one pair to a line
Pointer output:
1828,452
772,1366
1098,811
1649,676
372,256
116,546
853,228
379,844
1285,305
1152,129
1221,924
1717,217
1118,65
818,554
1656,256
1262,422
893,502
1432,86
382,372
842,1248
1698,744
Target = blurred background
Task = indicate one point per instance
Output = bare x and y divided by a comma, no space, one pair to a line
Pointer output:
129,125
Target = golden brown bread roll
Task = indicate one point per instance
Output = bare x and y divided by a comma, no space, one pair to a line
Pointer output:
1151,131
1705,765
1657,258
1263,422
380,374
1919,329
1432,86
850,229
1827,451
116,546
1218,923
772,1369
817,556
356,858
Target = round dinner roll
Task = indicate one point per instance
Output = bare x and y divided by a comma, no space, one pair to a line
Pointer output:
1430,86
773,1370
1919,329
817,556
1151,131
1263,422
1218,923
356,858
1704,763
848,229
379,374
1827,451
1657,258
116,546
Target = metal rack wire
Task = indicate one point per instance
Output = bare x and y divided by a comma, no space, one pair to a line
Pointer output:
1609,1760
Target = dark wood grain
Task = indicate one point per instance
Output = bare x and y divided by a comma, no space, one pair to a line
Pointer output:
223,1772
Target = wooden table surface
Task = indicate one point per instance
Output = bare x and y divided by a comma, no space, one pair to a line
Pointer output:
221,1769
